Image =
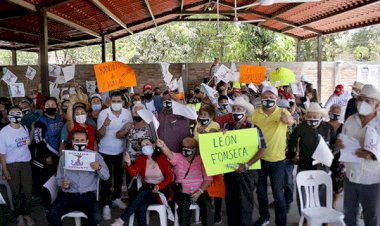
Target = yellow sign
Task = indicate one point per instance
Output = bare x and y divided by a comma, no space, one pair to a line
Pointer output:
283,77
254,74
221,152
114,75
197,106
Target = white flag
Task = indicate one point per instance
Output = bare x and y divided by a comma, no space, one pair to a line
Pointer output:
166,73
211,93
173,85
69,72
186,111
322,153
180,86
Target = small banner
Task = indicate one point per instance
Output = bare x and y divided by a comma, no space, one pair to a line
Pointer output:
114,75
79,160
252,74
221,151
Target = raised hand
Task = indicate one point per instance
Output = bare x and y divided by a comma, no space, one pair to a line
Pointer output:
65,183
107,121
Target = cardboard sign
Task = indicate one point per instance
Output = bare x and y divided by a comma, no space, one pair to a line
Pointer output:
114,75
79,160
221,151
254,74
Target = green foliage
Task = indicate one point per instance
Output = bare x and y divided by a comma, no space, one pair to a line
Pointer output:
364,44
330,51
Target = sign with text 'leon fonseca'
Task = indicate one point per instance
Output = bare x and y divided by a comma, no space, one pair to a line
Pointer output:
220,152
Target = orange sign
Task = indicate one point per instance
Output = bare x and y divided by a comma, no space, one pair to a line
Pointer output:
114,75
254,74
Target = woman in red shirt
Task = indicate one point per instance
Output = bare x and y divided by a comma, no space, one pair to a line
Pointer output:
77,120
156,175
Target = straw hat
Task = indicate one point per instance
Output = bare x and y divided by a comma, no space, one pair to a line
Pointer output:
239,101
370,91
357,85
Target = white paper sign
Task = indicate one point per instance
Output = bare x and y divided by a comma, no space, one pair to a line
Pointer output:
322,153
186,111
54,90
9,77
211,93
297,89
60,80
224,74
79,160
17,90
148,117
54,70
30,73
68,72
166,73
173,85
348,153
53,188
91,87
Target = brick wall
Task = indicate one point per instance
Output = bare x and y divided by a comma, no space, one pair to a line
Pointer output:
333,73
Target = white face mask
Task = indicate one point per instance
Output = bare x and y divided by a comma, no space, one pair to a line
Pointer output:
80,119
116,106
66,97
364,108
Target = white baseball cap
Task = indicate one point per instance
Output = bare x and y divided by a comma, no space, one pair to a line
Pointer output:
271,89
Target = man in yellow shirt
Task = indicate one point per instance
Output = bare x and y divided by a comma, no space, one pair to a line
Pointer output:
274,122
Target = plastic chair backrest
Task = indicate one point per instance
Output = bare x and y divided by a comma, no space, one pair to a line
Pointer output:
310,181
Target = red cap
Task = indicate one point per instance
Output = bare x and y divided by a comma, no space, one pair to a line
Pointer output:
236,91
147,87
339,89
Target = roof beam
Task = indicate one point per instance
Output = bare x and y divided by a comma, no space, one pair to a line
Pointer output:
55,17
150,12
112,16
202,20
281,11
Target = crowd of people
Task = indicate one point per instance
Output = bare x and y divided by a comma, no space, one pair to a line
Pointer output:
166,164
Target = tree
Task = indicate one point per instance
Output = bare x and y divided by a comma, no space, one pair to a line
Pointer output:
330,48
364,44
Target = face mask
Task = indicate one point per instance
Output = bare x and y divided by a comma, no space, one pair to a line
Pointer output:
79,146
313,122
268,103
80,119
223,106
238,116
147,150
157,94
204,121
26,111
51,111
64,110
148,96
354,94
334,117
137,118
364,108
167,104
187,152
191,95
197,91
136,102
116,106
96,107
66,97
15,119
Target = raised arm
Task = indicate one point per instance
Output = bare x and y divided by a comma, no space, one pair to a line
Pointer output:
164,149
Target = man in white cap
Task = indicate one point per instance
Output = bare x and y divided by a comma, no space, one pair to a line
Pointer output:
240,184
362,183
274,122
351,105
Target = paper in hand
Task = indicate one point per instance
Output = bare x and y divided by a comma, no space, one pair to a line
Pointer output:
30,73
68,72
54,70
9,77
348,153
17,90
183,110
322,153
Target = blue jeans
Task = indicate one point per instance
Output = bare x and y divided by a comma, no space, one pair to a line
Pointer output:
289,185
139,205
276,173
68,202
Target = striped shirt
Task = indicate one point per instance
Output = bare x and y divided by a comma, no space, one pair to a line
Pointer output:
194,178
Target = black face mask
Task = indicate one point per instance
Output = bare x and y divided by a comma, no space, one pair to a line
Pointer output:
187,152
197,91
64,110
26,111
313,122
148,96
223,106
15,119
334,117
167,104
80,146
51,111
137,118
268,103
238,116
190,95
204,121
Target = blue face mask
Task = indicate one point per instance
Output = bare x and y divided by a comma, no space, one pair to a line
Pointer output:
96,107
147,150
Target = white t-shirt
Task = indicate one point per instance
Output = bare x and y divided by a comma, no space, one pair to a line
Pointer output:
110,144
150,106
14,144
341,100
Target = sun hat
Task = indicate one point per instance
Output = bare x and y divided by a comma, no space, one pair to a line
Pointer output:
357,85
239,101
370,91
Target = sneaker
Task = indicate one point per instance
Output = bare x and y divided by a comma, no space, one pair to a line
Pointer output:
261,222
118,222
119,203
29,220
217,219
106,213
20,221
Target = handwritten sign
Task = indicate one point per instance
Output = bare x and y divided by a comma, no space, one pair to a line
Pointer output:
79,160
219,151
254,74
114,75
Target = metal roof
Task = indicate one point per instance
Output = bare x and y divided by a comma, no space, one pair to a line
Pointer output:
74,23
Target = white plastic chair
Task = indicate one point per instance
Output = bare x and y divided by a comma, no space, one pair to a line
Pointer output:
312,210
159,208
77,215
194,207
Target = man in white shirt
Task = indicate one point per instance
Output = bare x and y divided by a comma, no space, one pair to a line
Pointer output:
341,98
362,183
111,148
